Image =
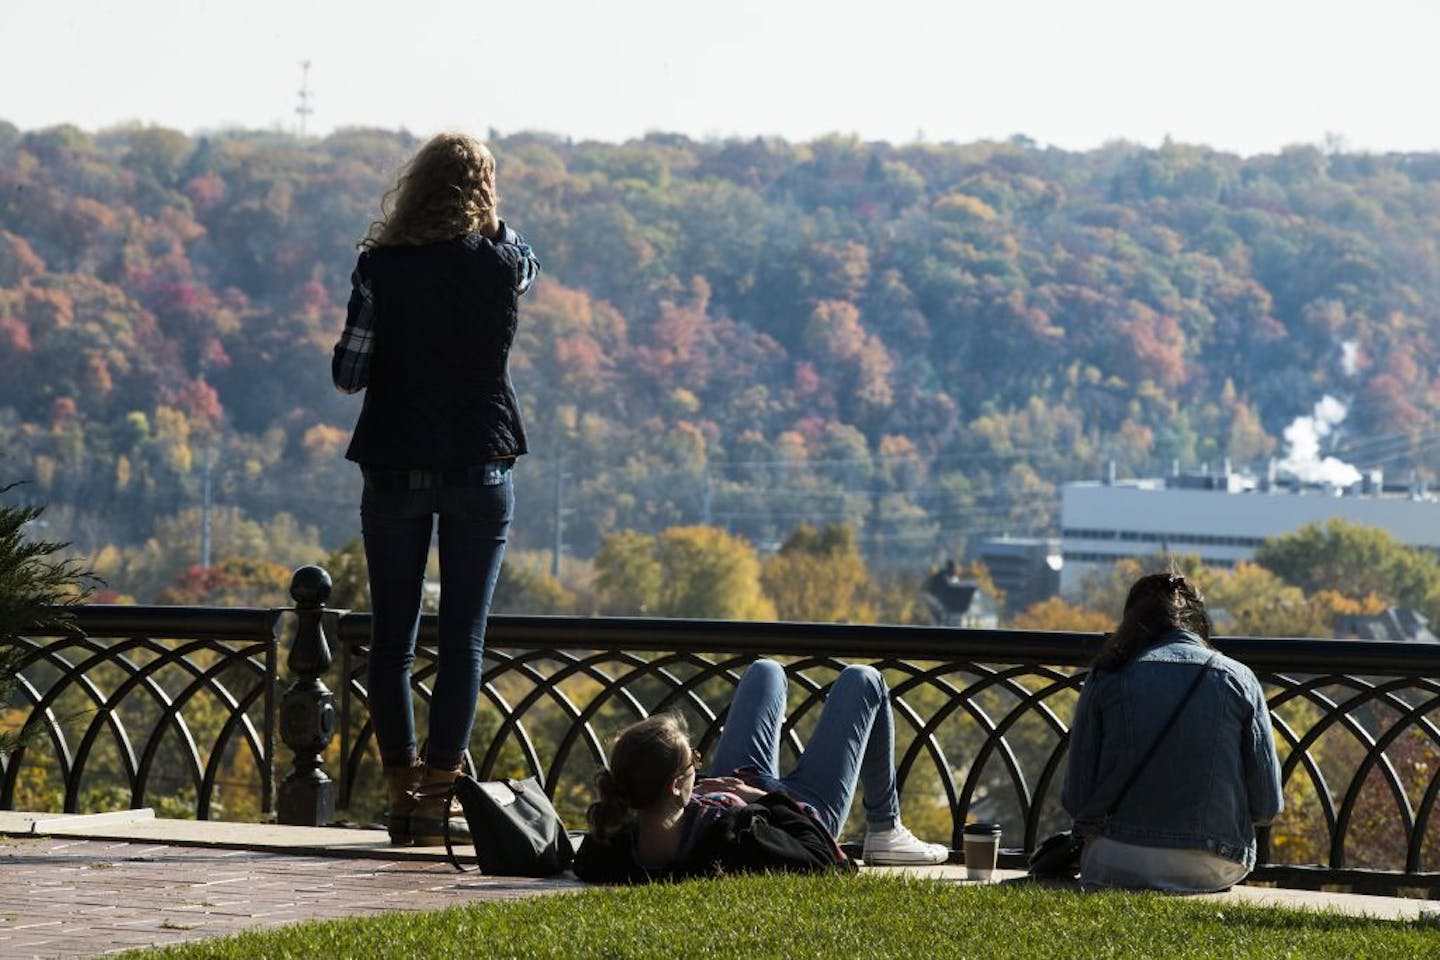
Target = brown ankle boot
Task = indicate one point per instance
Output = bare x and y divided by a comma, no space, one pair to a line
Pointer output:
400,784
433,807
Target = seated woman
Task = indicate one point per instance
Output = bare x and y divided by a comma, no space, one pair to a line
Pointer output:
659,816
1187,821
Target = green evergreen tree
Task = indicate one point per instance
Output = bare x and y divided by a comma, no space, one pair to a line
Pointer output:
38,590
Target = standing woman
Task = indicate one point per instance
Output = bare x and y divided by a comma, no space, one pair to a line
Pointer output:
1186,822
431,318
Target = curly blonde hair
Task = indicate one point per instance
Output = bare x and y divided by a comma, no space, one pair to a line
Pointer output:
446,190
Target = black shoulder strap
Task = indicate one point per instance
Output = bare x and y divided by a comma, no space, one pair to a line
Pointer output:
449,843
1140,765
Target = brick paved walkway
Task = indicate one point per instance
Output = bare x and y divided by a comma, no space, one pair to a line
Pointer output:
84,898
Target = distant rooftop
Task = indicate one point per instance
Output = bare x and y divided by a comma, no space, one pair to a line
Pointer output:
1372,483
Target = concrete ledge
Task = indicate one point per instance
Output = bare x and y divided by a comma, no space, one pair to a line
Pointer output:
144,826
1345,904
19,821
91,821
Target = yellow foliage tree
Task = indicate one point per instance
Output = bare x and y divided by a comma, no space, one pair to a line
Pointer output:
1252,601
1338,605
526,586
627,573
1054,613
1249,600
709,574
694,572
349,576
323,442
818,575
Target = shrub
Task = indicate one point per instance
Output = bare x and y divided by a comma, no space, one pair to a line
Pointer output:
38,589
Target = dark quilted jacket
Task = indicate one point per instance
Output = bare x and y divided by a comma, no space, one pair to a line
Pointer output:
439,393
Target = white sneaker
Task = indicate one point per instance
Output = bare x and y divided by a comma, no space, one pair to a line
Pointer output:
900,847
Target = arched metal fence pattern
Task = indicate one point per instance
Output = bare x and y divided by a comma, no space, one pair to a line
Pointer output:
1361,767
981,717
146,705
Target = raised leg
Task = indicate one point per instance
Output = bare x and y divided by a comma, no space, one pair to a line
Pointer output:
751,737
853,741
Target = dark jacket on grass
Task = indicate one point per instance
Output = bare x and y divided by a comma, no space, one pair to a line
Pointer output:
771,834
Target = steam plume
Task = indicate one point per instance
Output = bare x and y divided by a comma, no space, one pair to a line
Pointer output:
1349,359
1304,436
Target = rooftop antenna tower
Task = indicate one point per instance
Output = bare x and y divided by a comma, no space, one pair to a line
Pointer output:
303,108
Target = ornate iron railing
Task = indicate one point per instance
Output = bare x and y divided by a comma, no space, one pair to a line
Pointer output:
145,703
981,717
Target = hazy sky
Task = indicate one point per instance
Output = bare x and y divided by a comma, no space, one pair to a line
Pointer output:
1243,75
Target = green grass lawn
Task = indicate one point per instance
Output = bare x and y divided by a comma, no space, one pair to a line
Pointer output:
835,917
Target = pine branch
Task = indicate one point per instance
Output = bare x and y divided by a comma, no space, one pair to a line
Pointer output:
38,591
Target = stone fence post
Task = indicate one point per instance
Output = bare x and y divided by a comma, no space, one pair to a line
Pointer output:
307,710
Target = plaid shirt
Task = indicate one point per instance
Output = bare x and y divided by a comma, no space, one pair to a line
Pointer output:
350,365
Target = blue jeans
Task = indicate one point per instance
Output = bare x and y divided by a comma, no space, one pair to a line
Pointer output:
854,740
397,512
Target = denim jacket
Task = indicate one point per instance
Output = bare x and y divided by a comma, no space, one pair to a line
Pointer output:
1214,777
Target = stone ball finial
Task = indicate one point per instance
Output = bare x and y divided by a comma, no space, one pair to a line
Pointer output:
310,586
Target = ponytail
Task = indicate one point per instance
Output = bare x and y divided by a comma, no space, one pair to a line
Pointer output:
609,813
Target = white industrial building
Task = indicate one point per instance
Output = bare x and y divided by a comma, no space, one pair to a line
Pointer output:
1222,517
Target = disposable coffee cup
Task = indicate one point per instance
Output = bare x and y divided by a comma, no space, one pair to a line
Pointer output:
982,847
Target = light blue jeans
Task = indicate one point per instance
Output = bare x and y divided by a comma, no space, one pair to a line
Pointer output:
853,741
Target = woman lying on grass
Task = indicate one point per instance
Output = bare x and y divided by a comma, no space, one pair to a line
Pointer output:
659,817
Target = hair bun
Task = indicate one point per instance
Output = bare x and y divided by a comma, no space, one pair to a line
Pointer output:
607,814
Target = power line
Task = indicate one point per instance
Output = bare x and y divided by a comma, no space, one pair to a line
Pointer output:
1361,448
877,460
1431,442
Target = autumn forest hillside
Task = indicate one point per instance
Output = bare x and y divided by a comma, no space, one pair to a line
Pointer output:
920,341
